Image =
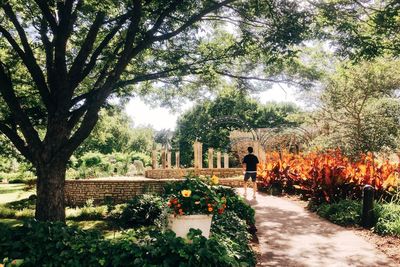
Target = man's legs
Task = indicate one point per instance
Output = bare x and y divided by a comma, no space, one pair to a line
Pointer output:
246,178
253,179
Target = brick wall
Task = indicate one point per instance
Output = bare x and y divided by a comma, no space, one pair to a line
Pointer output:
179,173
77,192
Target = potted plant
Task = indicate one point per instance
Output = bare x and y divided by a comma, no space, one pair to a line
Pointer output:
192,204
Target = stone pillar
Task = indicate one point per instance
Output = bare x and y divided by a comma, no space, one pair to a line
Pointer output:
163,159
177,159
169,160
226,161
219,160
210,158
198,155
154,159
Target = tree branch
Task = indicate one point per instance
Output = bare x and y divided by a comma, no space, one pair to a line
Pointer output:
16,140
7,91
27,57
44,7
193,19
163,15
49,51
85,50
103,44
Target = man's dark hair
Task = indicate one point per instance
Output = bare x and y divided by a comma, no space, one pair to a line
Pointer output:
250,149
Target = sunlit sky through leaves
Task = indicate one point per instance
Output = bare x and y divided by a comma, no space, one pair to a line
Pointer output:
159,118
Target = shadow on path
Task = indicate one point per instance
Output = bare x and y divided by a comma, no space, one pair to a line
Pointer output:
290,236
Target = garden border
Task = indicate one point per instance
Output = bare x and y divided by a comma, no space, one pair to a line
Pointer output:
77,192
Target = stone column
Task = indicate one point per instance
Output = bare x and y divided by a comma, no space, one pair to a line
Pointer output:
163,159
177,159
169,160
210,158
219,160
198,155
226,161
154,159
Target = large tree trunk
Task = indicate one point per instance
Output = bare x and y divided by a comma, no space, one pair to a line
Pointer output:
50,205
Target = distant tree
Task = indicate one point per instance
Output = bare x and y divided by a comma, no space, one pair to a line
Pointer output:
360,109
164,137
114,132
212,121
141,140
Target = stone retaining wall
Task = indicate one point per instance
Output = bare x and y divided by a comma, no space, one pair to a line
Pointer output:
77,192
179,173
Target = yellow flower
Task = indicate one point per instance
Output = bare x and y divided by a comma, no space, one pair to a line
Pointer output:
214,179
186,193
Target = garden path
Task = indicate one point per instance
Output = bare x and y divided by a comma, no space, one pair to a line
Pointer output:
291,236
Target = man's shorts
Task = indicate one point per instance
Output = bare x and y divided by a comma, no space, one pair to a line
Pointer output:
247,176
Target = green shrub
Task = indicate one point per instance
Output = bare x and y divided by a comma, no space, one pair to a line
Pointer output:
345,212
26,203
229,224
87,213
18,177
25,214
6,213
51,244
388,219
16,181
90,159
237,204
54,244
142,210
146,159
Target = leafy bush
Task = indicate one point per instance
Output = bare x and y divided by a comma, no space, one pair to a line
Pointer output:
24,208
87,213
345,212
237,204
142,210
388,219
54,244
25,203
17,177
146,159
91,159
6,212
230,223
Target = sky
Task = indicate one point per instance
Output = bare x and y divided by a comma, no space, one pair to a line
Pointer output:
162,118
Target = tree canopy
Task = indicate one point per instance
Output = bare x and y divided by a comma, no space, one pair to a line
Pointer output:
359,107
61,60
212,121
361,29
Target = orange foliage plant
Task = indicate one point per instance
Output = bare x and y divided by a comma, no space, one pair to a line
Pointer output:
328,176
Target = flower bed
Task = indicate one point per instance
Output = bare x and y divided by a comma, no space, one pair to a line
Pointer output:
328,177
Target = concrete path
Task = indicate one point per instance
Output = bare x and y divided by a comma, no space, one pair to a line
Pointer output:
291,236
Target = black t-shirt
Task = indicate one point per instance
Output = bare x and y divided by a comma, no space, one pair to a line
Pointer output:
251,162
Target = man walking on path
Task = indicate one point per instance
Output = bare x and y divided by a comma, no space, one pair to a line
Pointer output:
250,162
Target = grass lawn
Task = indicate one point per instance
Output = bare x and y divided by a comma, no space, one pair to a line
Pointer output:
13,192
11,222
102,226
